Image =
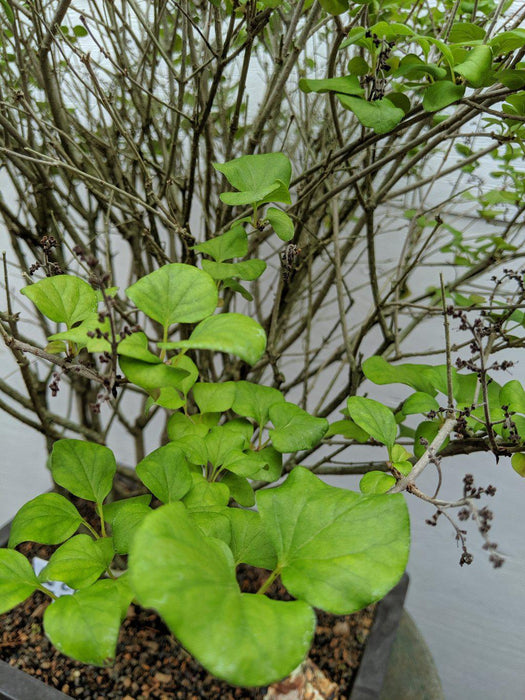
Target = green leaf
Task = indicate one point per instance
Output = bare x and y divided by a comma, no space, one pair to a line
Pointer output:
398,453
420,402
246,270
229,332
136,347
17,579
152,376
513,79
262,465
334,7
346,85
428,431
295,429
181,426
232,244
213,522
79,334
477,65
518,463
391,30
63,298
349,430
240,489
111,510
83,468
357,65
512,395
175,293
504,42
206,494
336,549
55,347
376,482
223,444
254,400
249,542
125,523
79,30
281,223
374,418
165,473
79,562
236,287
381,115
47,519
8,11
413,67
85,625
441,94
464,32
259,178
248,640
419,377
211,397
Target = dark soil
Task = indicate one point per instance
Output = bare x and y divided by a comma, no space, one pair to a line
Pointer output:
151,664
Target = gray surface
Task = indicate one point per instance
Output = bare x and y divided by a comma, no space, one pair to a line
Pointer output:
412,673
16,685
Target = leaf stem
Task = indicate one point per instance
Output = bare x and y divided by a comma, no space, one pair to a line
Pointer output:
48,592
91,529
101,516
271,578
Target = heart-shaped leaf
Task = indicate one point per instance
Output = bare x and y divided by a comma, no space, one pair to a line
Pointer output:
257,174
246,270
518,463
295,429
165,473
85,625
125,524
232,244
346,85
175,293
214,397
83,468
381,115
17,579
349,430
63,298
441,94
336,549
254,400
262,465
249,541
376,482
419,377
427,430
281,223
240,489
512,395
420,402
47,519
374,418
223,445
206,494
229,332
248,640
152,376
475,68
79,562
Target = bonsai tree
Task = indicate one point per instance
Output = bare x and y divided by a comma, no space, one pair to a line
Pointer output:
220,215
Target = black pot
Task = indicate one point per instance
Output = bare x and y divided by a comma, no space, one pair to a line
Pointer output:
396,663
